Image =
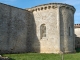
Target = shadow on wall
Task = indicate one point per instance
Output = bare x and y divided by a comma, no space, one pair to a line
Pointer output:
33,44
62,32
77,43
15,25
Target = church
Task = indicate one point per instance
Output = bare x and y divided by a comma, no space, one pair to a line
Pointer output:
47,28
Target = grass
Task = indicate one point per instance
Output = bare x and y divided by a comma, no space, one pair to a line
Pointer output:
37,56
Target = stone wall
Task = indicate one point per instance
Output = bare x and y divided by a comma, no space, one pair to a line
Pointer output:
32,35
48,18
67,29
58,23
13,29
47,28
77,35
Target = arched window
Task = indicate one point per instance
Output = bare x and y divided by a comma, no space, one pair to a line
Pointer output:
42,31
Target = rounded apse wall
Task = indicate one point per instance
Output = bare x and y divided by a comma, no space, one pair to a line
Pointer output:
58,26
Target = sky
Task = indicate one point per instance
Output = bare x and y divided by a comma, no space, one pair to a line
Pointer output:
31,3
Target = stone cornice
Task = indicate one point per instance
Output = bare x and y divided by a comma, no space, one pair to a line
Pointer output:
77,25
51,5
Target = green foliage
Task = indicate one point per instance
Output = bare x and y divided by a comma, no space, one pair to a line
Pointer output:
37,56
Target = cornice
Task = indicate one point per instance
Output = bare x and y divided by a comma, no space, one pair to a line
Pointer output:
51,5
77,25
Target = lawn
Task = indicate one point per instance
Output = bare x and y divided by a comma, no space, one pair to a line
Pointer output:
37,56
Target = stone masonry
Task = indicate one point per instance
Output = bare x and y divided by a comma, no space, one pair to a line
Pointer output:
47,28
59,22
77,35
13,29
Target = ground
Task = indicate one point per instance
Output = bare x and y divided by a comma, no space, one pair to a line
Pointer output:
37,56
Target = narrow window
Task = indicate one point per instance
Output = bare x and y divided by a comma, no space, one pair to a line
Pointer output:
42,31
69,31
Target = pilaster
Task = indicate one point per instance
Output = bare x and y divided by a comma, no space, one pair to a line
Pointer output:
58,26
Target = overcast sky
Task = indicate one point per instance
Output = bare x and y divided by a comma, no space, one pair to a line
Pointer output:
31,3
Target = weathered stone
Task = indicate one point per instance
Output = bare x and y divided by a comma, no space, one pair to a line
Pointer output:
59,22
77,35
47,28
13,29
